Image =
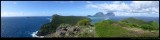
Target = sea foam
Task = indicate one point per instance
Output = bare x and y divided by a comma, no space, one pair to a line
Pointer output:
49,19
34,35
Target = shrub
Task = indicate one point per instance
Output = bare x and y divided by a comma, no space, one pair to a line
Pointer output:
154,25
84,22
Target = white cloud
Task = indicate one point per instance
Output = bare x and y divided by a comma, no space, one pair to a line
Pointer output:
136,14
59,1
134,7
71,1
145,6
89,2
64,1
4,14
110,7
117,2
91,6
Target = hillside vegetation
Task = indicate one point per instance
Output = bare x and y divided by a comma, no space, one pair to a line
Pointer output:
78,26
129,27
56,21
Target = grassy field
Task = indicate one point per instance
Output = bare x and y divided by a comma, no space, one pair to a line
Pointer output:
109,28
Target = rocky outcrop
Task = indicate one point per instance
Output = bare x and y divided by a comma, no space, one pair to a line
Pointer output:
66,30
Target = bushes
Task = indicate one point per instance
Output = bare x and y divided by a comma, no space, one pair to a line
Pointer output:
154,25
84,22
145,26
132,22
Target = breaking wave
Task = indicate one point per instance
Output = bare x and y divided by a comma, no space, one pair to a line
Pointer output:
34,35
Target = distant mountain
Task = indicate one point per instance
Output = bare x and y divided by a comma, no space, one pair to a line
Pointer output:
109,14
99,14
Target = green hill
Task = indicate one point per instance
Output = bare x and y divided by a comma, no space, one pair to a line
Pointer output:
56,21
129,27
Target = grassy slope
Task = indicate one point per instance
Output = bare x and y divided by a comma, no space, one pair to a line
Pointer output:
109,28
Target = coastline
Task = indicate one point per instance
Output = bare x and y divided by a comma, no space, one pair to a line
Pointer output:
34,35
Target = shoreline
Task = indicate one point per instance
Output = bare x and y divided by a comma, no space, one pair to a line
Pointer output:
34,35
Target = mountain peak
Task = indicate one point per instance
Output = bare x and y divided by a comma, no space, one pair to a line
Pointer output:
110,14
99,14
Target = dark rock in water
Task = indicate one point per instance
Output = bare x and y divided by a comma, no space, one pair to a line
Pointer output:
99,14
89,15
28,17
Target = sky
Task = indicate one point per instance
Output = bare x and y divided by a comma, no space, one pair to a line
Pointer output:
79,8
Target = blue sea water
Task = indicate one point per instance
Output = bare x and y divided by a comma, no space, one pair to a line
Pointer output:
24,26
21,26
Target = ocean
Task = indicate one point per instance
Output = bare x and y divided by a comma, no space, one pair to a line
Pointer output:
21,26
27,26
